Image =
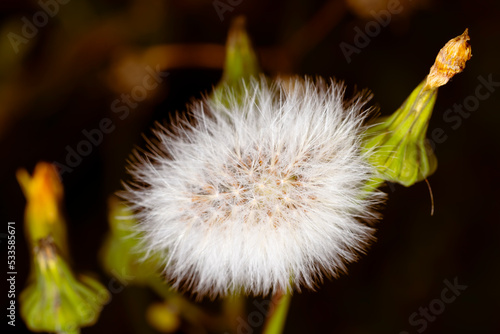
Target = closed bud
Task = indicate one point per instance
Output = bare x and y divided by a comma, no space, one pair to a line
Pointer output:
401,152
400,149
241,62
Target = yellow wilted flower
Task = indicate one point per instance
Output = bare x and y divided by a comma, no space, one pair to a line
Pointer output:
43,214
450,61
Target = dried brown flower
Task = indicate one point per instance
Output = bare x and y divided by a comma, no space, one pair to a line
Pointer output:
450,61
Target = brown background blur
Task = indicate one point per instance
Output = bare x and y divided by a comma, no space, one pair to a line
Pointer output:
65,79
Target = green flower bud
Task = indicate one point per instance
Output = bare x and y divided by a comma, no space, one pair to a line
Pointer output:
163,317
401,151
241,62
55,300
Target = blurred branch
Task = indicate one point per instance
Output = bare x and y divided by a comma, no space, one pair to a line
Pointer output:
70,57
280,59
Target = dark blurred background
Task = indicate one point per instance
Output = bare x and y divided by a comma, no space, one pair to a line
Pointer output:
69,74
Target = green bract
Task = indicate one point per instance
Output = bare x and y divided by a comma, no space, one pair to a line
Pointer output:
55,300
401,152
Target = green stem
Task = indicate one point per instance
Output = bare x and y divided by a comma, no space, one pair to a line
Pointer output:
277,316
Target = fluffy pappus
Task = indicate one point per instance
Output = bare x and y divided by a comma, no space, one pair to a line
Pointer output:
263,192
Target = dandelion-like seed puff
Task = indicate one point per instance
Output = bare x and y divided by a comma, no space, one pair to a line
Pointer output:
262,193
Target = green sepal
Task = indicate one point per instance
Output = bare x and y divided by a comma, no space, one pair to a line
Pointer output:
400,150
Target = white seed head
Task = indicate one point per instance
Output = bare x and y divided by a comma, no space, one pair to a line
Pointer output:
259,194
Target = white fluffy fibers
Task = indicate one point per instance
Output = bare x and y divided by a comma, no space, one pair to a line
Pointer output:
260,194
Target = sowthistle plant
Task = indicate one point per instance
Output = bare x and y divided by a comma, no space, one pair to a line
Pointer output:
270,186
